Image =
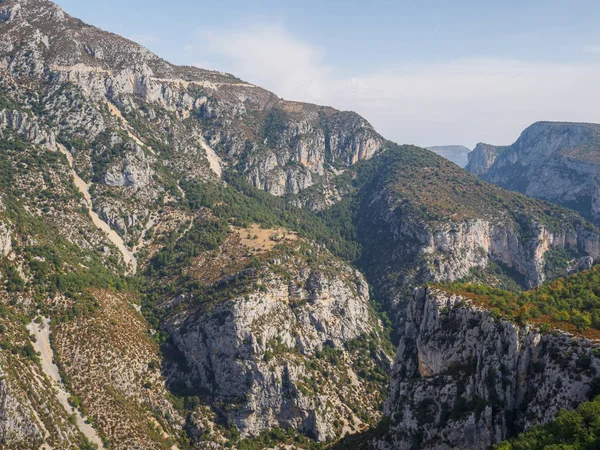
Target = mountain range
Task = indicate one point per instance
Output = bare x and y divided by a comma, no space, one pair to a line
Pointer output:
550,160
190,262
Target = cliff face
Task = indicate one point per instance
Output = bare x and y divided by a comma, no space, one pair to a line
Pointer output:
465,379
452,251
482,158
422,219
558,162
280,146
291,354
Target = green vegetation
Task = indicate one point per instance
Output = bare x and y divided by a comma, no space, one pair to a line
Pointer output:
52,264
177,254
431,188
571,303
277,437
571,430
241,204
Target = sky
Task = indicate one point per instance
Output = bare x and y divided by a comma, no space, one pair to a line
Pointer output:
424,72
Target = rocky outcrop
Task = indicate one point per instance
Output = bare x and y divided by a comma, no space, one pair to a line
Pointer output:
303,142
558,162
482,158
284,356
17,425
281,146
133,171
24,125
464,379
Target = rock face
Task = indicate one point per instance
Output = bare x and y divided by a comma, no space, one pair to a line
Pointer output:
558,162
17,426
448,252
261,355
482,158
415,229
280,146
463,379
303,141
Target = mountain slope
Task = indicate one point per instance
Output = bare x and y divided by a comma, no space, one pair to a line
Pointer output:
152,214
558,162
281,146
420,218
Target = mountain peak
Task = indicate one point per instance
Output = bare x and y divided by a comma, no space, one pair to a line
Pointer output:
32,10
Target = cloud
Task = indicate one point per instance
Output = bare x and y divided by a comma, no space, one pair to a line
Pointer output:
270,57
456,102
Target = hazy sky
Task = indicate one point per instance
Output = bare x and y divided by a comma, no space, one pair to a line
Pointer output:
425,72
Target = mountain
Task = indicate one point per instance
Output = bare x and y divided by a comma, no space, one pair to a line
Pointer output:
189,261
468,374
552,161
458,154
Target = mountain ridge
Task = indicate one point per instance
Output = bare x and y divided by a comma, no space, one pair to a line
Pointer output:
555,161
277,246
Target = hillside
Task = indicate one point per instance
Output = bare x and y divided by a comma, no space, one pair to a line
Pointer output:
576,429
419,218
558,162
188,261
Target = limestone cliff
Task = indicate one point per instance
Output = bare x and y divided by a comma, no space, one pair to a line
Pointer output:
463,378
482,158
553,161
423,219
291,352
280,146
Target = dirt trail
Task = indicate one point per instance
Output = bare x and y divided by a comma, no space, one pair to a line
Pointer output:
42,346
84,188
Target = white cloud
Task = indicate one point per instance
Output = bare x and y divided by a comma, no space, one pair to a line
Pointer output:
457,102
270,57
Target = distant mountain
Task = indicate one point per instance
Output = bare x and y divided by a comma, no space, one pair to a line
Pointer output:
554,161
458,154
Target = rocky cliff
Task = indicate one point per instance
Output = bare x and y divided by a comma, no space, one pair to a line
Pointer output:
298,347
553,161
282,147
463,378
482,158
415,229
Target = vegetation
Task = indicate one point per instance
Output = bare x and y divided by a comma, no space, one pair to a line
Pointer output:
241,204
571,304
277,437
571,430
